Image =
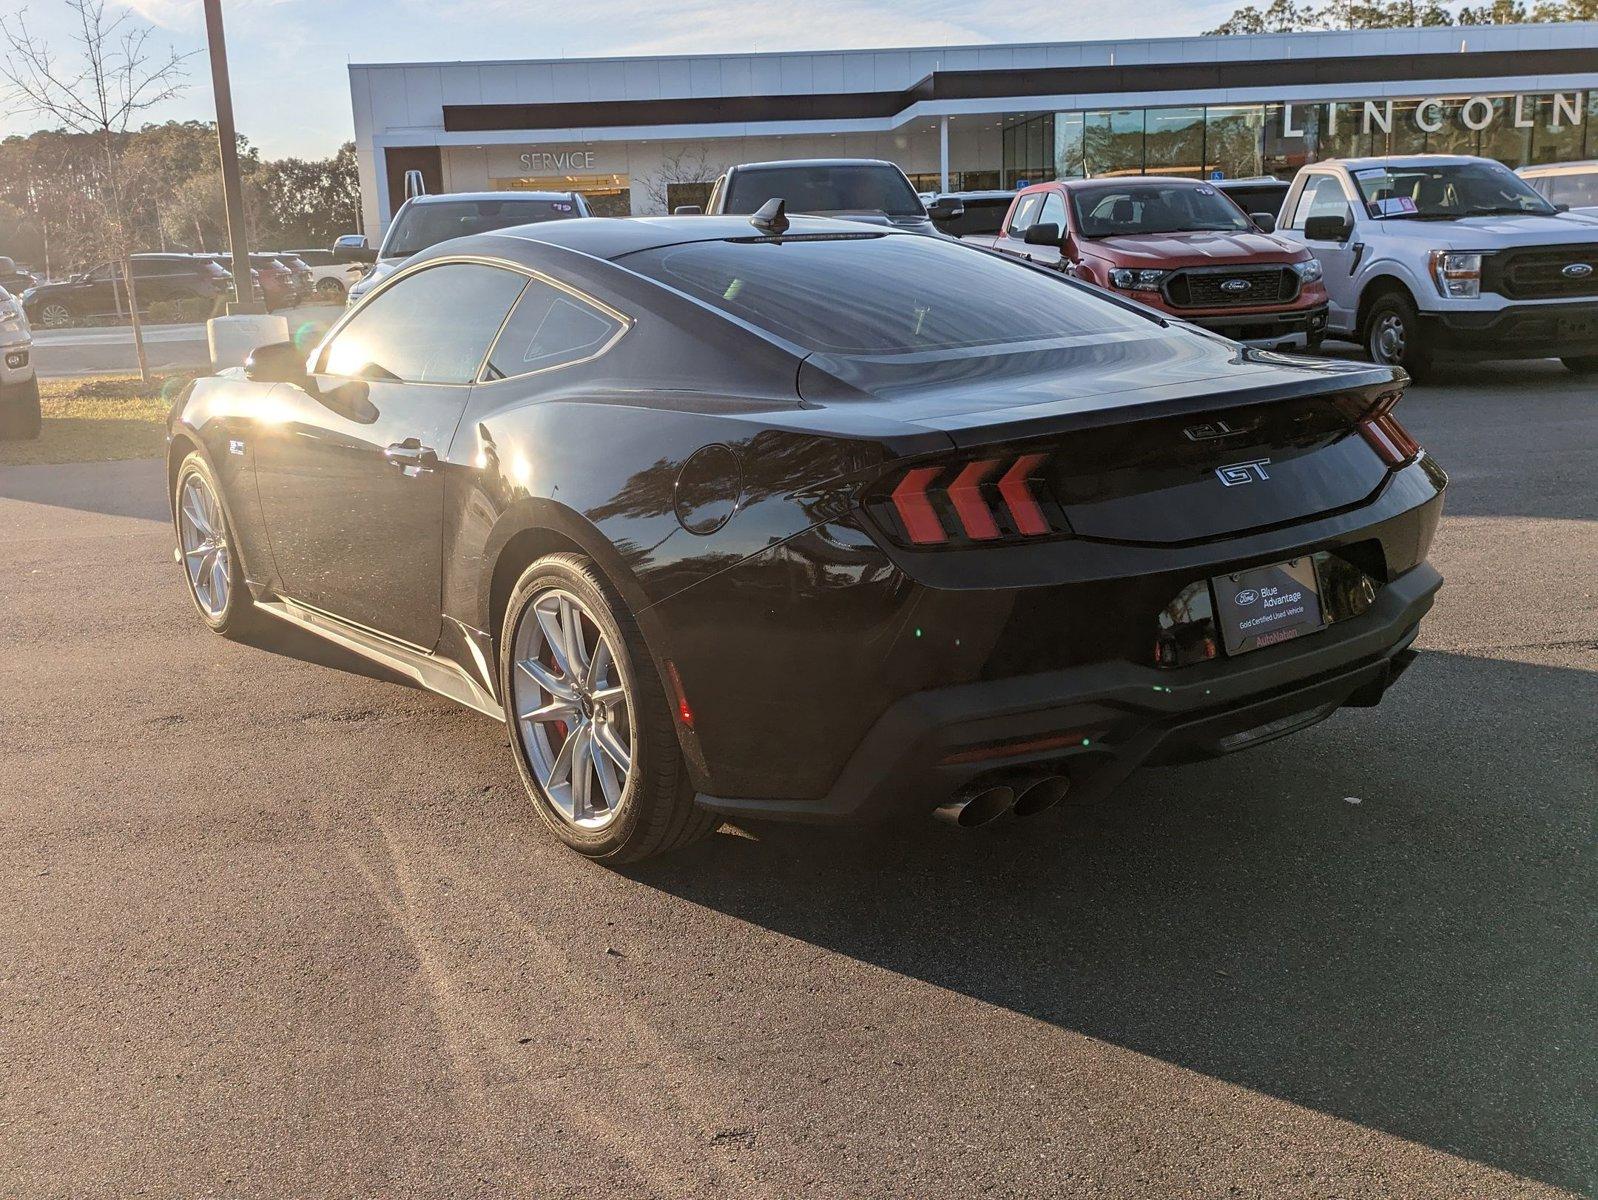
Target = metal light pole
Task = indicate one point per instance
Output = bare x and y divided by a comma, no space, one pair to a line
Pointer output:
227,144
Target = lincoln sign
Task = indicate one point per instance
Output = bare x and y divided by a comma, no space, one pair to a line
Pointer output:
1475,113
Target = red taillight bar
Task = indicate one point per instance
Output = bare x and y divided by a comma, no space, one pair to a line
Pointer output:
1016,489
915,510
966,495
1391,441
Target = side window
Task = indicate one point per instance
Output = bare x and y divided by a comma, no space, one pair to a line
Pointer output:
1025,214
1053,212
104,272
430,327
1322,197
549,328
1576,190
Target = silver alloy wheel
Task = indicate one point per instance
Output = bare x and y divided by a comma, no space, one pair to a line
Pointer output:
1388,340
202,536
52,316
574,715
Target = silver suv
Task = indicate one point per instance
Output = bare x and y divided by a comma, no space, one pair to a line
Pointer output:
1433,257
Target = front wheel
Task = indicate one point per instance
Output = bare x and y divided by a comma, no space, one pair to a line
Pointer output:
211,566
330,290
1584,364
1394,338
591,729
55,314
20,418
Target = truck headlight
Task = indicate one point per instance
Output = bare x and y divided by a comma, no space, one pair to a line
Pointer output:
1309,271
1137,280
11,318
1457,274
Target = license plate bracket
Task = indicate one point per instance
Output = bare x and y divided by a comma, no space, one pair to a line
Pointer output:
1262,606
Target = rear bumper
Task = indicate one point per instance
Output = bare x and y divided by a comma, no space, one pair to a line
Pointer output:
1101,721
1518,331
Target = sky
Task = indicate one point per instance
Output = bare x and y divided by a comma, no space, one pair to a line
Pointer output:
288,57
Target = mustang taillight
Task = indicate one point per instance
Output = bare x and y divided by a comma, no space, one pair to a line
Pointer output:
1389,439
983,500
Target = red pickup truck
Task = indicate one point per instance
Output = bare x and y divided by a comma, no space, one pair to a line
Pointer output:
1177,245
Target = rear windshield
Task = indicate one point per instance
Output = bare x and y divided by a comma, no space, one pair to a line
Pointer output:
825,189
1579,190
424,225
1155,208
882,294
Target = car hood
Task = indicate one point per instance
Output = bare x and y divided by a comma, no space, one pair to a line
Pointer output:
1196,249
1493,232
381,270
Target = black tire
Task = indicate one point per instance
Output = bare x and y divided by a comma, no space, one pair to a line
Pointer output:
331,289
1312,345
20,418
655,812
1395,314
238,614
52,314
1583,364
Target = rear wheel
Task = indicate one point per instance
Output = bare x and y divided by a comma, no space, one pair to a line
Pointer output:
1585,364
205,546
1394,338
591,729
331,290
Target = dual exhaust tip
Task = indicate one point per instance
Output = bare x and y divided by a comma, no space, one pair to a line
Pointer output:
986,800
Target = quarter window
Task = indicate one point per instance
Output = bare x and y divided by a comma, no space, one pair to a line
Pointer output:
430,327
549,328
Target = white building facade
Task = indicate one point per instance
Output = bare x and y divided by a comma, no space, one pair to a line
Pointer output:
640,135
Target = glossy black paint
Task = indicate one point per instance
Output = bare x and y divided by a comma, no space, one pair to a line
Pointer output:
725,481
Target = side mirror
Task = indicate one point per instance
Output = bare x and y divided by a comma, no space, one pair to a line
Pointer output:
688,210
1561,208
280,362
946,208
1327,229
1045,233
1264,222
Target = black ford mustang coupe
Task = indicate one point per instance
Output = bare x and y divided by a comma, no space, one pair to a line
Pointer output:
806,521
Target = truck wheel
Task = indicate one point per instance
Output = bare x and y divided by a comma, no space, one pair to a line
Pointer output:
19,414
1586,364
1393,336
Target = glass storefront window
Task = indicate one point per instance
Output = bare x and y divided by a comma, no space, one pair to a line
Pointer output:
1550,144
1501,140
1069,160
1112,142
1173,140
1233,137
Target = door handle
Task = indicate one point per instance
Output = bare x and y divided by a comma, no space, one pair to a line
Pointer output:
411,457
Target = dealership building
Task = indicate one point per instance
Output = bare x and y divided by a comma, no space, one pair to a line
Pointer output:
640,135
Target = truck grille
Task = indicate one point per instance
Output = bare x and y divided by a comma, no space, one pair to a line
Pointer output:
1211,288
1542,272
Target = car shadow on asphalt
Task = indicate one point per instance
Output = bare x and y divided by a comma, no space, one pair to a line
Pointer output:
1386,918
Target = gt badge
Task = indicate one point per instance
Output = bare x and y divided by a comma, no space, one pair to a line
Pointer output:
1243,472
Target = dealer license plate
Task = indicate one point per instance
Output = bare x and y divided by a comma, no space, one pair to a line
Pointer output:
1265,605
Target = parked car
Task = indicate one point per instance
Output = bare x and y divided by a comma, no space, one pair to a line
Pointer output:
859,189
19,385
225,262
1571,185
809,521
331,276
304,276
1433,255
424,221
1260,194
981,214
1179,246
14,278
101,291
280,284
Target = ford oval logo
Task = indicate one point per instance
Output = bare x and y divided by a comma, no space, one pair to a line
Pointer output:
1242,285
1577,271
1247,596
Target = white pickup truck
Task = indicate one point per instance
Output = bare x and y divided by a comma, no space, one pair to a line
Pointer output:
19,385
1438,258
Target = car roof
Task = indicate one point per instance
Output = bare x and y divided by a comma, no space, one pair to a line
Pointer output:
1560,168
980,194
507,194
1251,181
1111,181
612,237
1403,160
815,162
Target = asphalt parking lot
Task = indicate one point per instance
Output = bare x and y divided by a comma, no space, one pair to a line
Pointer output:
277,927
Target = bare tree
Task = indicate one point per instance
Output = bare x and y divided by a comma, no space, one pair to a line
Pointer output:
688,165
112,76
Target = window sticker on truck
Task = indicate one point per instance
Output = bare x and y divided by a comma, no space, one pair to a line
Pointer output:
1393,206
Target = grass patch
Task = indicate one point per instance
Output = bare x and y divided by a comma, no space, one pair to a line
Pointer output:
99,420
